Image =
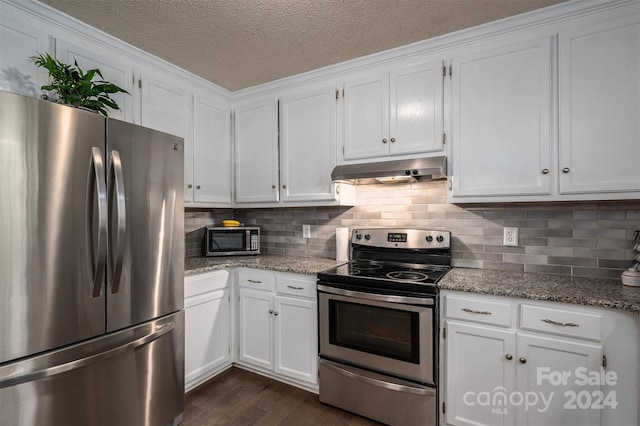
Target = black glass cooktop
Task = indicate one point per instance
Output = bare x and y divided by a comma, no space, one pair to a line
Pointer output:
390,275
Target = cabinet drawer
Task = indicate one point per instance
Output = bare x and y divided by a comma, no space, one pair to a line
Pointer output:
487,312
582,325
257,280
296,286
204,283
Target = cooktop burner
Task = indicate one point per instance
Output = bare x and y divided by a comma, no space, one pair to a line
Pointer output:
390,272
407,276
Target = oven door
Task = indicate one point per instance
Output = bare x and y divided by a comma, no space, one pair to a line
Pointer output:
385,333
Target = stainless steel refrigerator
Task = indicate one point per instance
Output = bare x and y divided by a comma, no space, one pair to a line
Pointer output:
91,269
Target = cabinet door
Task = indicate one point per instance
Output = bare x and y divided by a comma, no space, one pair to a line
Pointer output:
416,104
542,360
254,328
113,67
366,117
600,107
212,152
308,145
256,149
18,42
501,114
296,338
169,108
207,335
477,364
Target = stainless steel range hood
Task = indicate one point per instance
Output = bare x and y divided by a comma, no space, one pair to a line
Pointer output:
430,168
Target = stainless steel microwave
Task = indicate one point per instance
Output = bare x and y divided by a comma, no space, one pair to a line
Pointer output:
232,241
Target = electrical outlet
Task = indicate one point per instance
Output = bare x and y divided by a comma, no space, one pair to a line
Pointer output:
510,237
306,231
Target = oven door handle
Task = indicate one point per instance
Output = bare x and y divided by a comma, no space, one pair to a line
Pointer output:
385,384
378,297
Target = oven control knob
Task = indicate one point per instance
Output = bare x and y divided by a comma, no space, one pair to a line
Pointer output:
429,238
367,237
439,238
359,236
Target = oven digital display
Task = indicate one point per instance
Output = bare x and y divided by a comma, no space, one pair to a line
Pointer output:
397,237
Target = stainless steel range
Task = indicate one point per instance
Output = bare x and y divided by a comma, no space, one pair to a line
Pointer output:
378,322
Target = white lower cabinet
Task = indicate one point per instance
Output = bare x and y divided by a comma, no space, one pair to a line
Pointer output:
544,366
207,326
277,325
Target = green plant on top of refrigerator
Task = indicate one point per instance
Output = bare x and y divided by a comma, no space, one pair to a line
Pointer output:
72,86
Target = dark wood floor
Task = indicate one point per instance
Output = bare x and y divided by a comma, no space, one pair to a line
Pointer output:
239,397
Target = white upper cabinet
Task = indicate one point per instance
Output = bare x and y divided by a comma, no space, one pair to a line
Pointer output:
169,108
308,145
501,121
600,108
256,152
18,41
394,113
212,152
113,67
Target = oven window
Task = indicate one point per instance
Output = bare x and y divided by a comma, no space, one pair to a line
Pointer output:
392,333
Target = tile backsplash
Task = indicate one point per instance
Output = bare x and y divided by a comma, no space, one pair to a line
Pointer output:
569,238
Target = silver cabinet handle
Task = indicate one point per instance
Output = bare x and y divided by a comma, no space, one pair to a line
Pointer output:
97,260
295,288
275,313
384,140
509,357
255,281
270,311
393,140
284,186
197,186
118,184
545,171
471,311
92,359
562,324
522,360
566,170
273,186
189,186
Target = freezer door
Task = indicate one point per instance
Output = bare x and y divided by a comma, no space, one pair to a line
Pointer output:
130,378
52,225
145,277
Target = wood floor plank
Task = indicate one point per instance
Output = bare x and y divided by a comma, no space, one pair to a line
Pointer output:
240,397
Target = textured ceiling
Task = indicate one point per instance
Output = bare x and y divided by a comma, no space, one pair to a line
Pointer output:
242,43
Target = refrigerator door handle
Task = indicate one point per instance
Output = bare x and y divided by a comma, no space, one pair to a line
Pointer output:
96,179
78,363
120,200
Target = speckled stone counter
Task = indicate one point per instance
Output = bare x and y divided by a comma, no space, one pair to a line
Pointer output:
297,265
603,292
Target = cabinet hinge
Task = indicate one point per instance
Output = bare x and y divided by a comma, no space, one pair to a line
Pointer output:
444,333
444,138
444,70
444,407
139,83
337,93
450,70
343,93
604,362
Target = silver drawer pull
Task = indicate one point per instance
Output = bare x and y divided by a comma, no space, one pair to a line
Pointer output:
471,311
255,281
295,288
563,324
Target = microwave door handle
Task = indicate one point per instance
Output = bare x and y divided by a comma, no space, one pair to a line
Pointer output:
96,260
120,201
247,242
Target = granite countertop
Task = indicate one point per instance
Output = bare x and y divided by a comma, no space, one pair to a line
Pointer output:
269,262
602,292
